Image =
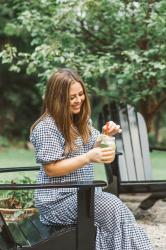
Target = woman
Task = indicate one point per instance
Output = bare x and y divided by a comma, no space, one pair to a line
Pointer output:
65,144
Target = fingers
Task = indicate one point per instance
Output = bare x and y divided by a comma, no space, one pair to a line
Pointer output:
108,155
108,149
111,128
108,159
109,125
103,155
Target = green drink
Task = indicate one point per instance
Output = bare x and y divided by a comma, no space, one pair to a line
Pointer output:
106,141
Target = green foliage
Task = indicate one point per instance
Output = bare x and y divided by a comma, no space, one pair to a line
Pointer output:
118,41
19,198
162,139
4,142
20,104
117,46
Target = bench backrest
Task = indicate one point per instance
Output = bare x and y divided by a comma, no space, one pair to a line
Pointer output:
134,164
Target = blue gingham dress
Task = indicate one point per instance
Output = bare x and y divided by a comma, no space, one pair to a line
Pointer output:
116,226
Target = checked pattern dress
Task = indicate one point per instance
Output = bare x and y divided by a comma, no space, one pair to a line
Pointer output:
116,225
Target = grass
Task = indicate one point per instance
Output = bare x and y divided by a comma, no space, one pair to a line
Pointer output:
158,164
14,157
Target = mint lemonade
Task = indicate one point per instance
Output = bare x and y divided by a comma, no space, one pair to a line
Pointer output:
106,141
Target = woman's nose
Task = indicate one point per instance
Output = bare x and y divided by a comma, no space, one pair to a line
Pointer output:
78,99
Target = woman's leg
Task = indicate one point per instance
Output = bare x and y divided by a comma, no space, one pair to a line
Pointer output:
61,211
116,225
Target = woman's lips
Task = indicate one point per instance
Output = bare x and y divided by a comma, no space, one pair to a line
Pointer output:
77,107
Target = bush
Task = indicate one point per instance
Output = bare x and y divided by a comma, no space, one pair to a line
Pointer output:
4,141
18,198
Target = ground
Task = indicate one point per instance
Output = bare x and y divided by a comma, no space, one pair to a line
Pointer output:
152,220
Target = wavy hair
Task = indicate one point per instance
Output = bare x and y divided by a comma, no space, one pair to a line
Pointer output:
56,103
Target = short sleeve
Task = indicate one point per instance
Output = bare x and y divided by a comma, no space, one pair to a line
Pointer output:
48,143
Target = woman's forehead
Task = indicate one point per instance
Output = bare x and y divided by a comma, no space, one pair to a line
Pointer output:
75,88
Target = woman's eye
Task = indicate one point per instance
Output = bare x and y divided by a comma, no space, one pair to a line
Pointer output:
73,97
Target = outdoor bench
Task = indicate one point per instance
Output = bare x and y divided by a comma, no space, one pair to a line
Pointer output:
31,234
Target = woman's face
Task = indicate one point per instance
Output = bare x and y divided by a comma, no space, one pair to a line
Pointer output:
77,97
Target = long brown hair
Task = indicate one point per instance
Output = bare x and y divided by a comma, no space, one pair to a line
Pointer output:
57,102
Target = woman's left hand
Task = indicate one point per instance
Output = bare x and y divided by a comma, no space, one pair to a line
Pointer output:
111,128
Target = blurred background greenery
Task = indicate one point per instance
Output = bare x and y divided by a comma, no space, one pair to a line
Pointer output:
19,157
118,47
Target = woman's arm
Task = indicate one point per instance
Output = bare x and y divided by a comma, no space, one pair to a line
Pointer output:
67,166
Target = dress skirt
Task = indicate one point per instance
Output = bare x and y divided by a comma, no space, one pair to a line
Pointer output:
116,225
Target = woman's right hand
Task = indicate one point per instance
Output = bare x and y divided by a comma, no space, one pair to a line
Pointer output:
101,155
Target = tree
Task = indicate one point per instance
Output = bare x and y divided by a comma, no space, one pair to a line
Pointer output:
20,99
117,46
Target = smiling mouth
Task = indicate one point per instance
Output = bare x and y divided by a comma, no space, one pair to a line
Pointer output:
77,107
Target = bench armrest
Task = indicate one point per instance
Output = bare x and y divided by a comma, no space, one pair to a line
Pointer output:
18,169
80,185
118,153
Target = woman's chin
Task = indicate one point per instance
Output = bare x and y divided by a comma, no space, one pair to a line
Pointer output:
76,111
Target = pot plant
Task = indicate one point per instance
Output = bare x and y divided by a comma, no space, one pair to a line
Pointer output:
17,204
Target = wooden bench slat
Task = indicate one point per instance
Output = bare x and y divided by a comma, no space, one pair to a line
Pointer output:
43,230
3,244
122,161
17,234
127,147
145,147
135,141
30,232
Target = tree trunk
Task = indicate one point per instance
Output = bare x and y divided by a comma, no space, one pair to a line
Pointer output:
147,109
157,125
